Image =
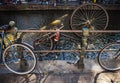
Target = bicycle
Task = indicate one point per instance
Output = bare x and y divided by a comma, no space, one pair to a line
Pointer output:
15,55
90,15
32,38
55,41
52,41
109,56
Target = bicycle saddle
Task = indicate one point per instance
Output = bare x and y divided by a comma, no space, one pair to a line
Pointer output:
56,22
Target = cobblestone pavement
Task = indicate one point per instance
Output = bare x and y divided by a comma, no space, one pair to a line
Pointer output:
62,72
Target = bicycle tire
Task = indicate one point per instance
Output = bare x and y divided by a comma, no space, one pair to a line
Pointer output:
15,62
90,15
107,57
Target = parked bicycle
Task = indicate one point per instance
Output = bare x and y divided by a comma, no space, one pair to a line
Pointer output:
53,41
46,40
109,56
16,56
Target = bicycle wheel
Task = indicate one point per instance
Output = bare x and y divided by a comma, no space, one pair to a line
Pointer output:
43,43
19,59
109,57
89,15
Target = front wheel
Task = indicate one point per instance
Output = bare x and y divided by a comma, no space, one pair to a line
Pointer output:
109,57
19,59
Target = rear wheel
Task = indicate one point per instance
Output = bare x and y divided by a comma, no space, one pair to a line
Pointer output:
19,59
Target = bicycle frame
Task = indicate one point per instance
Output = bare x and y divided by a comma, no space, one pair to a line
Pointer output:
3,35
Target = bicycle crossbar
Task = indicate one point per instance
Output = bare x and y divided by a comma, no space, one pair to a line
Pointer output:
69,31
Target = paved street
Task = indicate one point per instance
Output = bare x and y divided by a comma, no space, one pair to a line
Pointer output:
62,72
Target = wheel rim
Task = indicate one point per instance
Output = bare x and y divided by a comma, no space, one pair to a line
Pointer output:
16,63
92,16
107,57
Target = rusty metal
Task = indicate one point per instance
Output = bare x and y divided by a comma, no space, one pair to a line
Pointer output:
56,51
69,31
69,50
42,51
